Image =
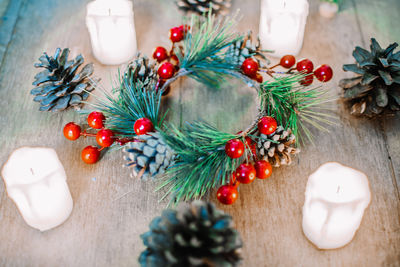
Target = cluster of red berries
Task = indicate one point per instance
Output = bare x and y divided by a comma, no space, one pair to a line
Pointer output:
246,172
169,60
104,137
323,73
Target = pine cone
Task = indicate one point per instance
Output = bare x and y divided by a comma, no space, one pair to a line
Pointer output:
278,153
245,48
194,235
60,85
377,90
150,157
141,70
201,7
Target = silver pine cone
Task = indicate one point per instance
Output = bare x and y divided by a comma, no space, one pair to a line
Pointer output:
61,84
201,7
140,70
246,48
281,150
150,157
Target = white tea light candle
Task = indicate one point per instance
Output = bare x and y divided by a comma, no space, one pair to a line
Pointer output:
282,25
336,197
36,181
112,30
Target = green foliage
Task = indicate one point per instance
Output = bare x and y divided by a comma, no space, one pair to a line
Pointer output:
205,54
338,2
293,105
130,100
201,161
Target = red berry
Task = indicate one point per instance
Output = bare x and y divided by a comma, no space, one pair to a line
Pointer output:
263,169
90,154
234,148
287,61
307,80
227,194
245,173
176,34
323,73
72,131
160,54
258,77
166,70
305,66
96,120
267,125
250,67
105,137
143,126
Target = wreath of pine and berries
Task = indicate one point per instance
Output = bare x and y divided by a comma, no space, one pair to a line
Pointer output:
197,157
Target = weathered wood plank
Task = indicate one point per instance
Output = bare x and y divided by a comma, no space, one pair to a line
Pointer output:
371,14
269,216
9,11
111,209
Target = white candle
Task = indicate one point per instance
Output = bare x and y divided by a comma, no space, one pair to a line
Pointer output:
36,181
335,199
112,30
282,25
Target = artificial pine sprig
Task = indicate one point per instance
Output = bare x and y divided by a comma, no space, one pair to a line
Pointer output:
205,55
132,100
201,161
294,105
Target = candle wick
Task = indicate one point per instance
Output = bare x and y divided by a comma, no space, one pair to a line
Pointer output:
32,171
338,189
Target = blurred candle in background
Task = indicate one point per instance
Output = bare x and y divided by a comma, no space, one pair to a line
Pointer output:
282,25
112,30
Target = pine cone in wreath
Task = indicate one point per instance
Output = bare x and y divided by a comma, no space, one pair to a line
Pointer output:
61,85
150,157
245,48
201,7
141,70
281,150
377,89
194,235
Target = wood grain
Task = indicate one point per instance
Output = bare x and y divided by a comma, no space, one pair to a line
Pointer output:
111,209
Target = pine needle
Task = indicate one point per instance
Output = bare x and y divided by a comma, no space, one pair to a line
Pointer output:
294,106
205,49
201,164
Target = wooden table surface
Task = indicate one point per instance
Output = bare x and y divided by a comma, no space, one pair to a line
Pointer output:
111,209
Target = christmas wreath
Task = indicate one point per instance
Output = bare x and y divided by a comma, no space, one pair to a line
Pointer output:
198,157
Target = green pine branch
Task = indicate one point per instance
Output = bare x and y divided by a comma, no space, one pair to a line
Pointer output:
204,53
295,106
201,162
130,100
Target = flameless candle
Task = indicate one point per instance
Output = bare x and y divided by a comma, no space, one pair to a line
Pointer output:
36,181
336,197
282,25
112,30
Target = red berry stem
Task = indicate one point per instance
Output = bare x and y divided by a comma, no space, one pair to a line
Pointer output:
101,148
85,134
274,66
